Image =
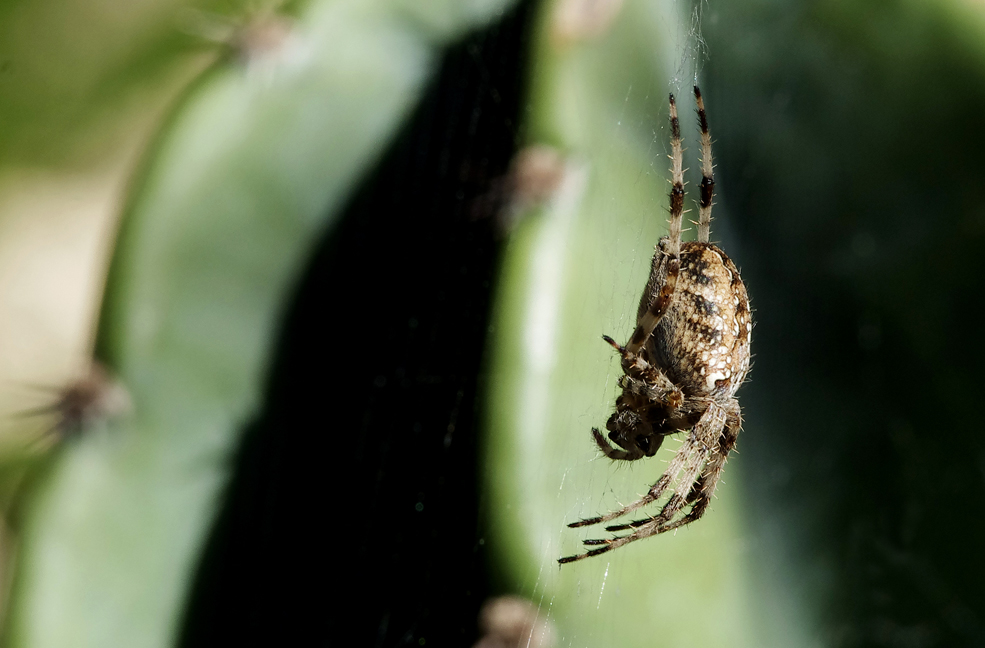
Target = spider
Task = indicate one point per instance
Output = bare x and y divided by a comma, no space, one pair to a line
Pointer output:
682,366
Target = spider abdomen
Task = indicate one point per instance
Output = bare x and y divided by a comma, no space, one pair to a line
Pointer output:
702,343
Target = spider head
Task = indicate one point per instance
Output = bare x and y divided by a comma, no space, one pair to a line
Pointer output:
633,435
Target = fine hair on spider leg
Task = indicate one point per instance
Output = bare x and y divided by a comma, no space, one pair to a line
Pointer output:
682,366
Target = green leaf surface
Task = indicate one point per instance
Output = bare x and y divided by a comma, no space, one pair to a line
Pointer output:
247,175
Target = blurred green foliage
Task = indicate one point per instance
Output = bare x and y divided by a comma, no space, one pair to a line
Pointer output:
70,70
247,172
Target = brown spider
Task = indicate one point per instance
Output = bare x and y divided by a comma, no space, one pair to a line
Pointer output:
686,359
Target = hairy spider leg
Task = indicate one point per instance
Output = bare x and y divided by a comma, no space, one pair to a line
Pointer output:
707,173
677,178
701,497
639,369
695,444
649,320
705,434
683,496
702,494
694,467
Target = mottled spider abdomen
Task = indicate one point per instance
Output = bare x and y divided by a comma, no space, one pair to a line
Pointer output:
702,343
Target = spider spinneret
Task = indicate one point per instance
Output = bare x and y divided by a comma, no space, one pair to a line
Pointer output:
681,367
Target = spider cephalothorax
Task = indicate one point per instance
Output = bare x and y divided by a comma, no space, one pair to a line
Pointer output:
682,365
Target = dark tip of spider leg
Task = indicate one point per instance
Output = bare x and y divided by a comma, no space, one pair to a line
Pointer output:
635,524
615,345
587,554
593,542
587,522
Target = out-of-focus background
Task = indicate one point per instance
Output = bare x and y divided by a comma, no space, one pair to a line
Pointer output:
301,306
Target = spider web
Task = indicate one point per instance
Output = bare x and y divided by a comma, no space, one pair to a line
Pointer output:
690,46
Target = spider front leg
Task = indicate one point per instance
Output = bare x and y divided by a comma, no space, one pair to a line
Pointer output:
707,172
695,446
701,496
645,379
690,460
647,393
666,266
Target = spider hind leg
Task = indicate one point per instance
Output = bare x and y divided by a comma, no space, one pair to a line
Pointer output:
698,464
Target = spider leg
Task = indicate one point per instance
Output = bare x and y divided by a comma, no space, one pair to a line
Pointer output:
692,448
647,321
707,174
701,496
683,496
659,523
693,454
655,385
696,461
677,191
651,496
